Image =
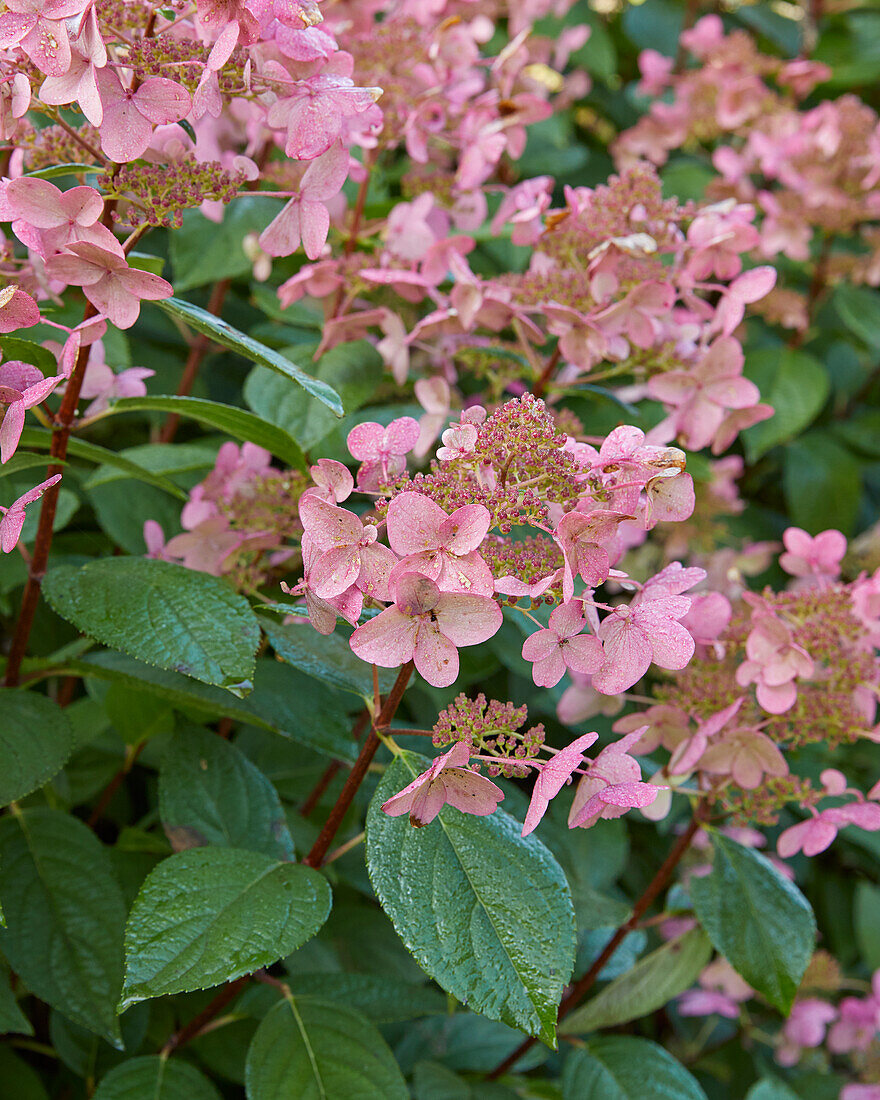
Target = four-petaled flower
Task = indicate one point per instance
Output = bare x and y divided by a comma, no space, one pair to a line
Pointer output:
562,647
447,780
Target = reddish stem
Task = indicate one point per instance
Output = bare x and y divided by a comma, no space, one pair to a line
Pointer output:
333,767
541,385
581,987
198,1023
356,776
114,785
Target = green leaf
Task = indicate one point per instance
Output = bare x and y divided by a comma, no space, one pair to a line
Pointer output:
859,309
65,916
62,170
19,1080
91,452
757,919
163,614
771,1088
22,461
210,793
153,1078
353,370
618,1067
209,915
12,1019
320,1050
867,927
324,657
228,337
238,423
822,483
28,351
203,251
283,699
35,742
647,986
433,1081
485,912
861,432
796,385
384,1000
159,458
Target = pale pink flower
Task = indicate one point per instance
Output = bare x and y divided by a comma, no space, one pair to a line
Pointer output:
47,219
857,1024
721,992
381,450
806,1025
39,28
101,384
584,539
447,780
323,613
17,309
818,832
206,546
613,784
553,776
818,558
306,218
350,553
522,207
701,396
13,516
634,636
749,287
433,394
129,116
108,282
774,663
745,755
315,113
426,626
22,387
458,442
333,481
440,546
562,647
655,69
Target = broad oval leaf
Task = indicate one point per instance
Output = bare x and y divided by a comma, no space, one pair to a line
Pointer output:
203,251
153,1078
163,614
859,309
757,919
210,793
618,1067
485,912
822,482
228,337
12,1019
65,916
35,742
320,1050
647,986
238,423
796,385
209,915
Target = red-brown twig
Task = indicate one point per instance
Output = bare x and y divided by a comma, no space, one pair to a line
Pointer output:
200,1022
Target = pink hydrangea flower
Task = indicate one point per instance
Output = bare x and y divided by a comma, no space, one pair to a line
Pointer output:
440,546
22,386
634,636
749,287
333,481
306,217
48,219
857,1024
39,28
448,780
721,992
774,663
129,115
101,383
108,282
819,831
381,450
14,516
805,1027
613,784
562,647
817,558
553,776
17,309
350,553
316,111
584,539
323,612
426,626
458,441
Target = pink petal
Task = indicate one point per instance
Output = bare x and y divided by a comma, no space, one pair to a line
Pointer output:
388,640
364,440
314,226
583,654
327,525
552,778
435,656
416,594
414,522
628,655
162,101
468,620
282,235
336,571
471,793
549,670
401,435
540,645
37,201
465,529
636,795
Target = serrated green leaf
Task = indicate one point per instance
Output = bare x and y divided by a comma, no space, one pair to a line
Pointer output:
647,986
228,337
153,1078
320,1050
619,1067
204,251
163,614
35,742
796,385
209,915
210,793
757,919
353,370
91,452
238,423
283,699
384,1000
324,657
484,911
65,916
